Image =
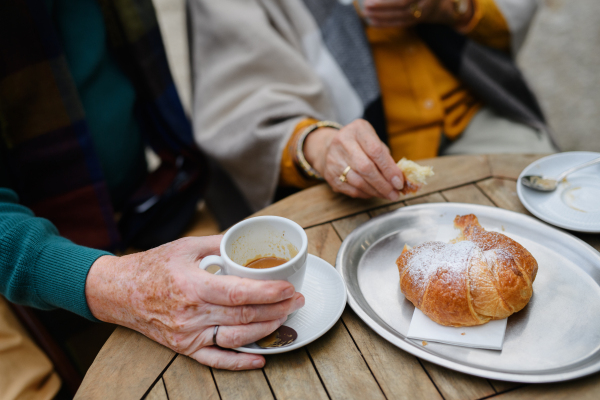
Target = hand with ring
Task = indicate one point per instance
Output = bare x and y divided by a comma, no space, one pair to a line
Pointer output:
407,13
354,161
162,294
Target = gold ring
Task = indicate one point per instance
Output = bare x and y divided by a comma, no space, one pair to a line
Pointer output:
415,10
343,175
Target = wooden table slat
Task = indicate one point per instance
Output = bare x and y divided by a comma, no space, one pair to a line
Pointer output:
503,193
467,194
323,242
384,210
456,385
186,379
345,226
293,376
430,198
342,368
503,386
587,388
464,169
399,374
158,392
130,362
510,166
234,385
339,363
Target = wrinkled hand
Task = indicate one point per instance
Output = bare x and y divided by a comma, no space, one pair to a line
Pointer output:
374,172
406,13
162,294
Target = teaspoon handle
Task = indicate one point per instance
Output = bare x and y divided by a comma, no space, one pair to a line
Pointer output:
578,167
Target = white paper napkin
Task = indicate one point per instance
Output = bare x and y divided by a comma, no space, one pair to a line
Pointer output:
486,336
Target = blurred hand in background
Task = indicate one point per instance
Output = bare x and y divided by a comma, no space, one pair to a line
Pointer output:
407,13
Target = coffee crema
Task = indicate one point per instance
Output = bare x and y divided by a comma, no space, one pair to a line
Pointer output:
266,262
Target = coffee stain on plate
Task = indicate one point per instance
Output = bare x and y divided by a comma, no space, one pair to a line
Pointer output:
569,197
283,336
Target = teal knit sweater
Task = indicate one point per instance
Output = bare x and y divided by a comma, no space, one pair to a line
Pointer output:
38,267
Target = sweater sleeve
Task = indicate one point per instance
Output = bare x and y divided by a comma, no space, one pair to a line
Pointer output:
488,25
38,267
502,24
290,174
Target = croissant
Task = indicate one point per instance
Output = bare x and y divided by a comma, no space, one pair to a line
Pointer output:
478,277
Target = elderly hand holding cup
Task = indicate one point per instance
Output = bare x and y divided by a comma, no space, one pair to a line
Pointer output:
162,294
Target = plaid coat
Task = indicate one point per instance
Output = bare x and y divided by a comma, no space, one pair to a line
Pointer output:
45,142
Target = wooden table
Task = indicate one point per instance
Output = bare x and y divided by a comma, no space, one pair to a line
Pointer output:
350,361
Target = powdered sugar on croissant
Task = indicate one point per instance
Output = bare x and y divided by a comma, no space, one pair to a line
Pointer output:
481,276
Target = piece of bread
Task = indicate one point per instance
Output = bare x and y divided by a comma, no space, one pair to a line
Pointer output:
415,175
478,277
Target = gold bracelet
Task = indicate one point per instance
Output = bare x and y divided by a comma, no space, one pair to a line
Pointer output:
306,167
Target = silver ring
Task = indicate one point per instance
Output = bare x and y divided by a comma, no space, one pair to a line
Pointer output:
215,335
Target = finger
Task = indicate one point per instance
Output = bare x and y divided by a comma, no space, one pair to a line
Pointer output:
363,165
389,13
335,165
386,4
345,150
351,191
215,357
358,182
392,23
242,315
200,247
231,337
380,155
227,290
344,187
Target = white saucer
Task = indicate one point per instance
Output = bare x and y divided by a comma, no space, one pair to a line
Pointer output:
575,204
325,294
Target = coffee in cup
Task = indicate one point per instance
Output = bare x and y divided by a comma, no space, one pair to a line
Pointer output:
277,245
266,262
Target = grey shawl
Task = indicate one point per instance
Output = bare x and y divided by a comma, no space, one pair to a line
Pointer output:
261,66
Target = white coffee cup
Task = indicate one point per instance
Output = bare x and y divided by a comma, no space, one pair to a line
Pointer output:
266,236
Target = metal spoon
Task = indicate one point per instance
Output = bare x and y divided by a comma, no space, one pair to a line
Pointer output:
548,184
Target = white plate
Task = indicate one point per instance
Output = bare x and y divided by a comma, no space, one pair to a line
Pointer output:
575,204
325,294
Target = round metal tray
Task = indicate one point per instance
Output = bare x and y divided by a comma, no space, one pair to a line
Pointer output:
556,337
